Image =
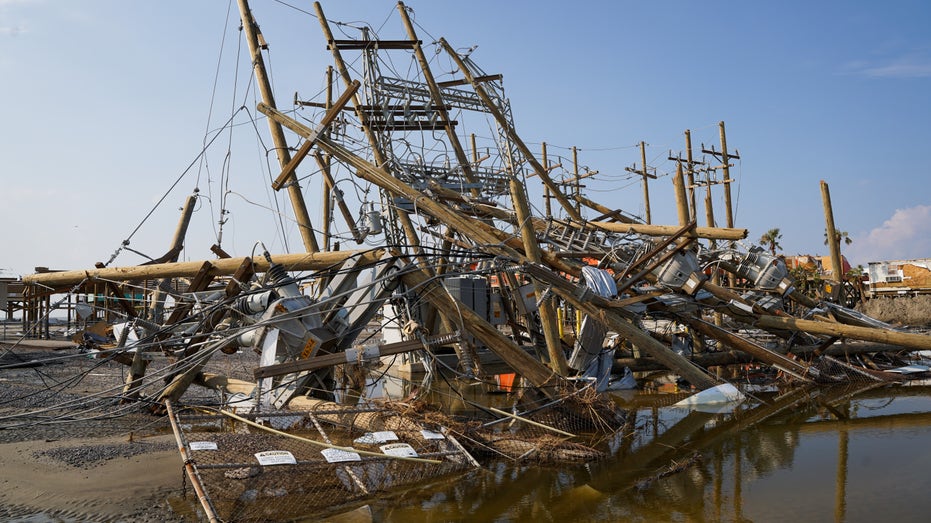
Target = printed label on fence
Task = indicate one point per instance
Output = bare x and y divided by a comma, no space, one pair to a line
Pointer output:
275,457
339,456
400,450
429,434
377,437
203,445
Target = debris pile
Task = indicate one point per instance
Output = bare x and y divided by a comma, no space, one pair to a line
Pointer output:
461,275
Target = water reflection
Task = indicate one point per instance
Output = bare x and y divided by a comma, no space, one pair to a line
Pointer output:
843,454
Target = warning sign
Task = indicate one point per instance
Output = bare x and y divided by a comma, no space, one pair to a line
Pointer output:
275,457
339,456
377,437
401,450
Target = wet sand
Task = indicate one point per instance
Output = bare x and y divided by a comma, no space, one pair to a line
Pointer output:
112,464
39,485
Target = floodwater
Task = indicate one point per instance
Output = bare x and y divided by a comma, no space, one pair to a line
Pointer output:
842,454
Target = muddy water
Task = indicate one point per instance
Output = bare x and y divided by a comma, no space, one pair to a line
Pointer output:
801,455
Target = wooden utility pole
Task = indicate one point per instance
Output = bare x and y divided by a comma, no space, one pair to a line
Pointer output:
837,266
727,176
606,212
646,176
725,167
402,216
691,174
437,98
577,188
548,321
546,190
666,230
510,131
225,266
690,163
840,330
327,207
716,273
253,37
682,204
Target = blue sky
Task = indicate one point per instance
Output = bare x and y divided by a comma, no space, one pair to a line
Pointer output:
107,102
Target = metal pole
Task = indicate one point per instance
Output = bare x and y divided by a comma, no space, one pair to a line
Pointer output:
189,467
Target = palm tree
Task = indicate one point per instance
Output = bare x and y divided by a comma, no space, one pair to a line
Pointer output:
771,238
840,235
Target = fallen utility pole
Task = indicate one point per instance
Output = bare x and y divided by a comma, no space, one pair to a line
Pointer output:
732,357
548,319
518,359
763,354
353,356
581,299
222,267
715,233
902,339
614,214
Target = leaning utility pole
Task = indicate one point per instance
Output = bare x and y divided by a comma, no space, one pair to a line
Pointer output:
837,267
437,97
510,131
646,175
254,37
547,197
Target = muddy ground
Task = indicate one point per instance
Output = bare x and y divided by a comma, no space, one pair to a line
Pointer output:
91,462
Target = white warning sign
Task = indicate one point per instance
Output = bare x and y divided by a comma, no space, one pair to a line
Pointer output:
339,456
377,437
275,457
400,450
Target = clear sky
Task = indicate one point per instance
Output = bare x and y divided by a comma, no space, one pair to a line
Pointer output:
107,102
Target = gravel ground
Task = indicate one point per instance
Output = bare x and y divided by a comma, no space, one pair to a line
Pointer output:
71,452
90,456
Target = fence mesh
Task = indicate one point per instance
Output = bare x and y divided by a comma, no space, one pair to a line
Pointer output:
290,467
251,474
